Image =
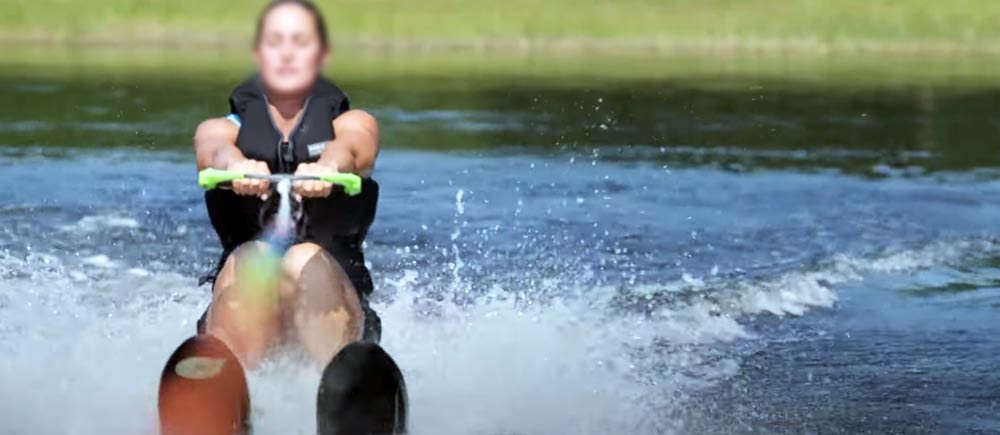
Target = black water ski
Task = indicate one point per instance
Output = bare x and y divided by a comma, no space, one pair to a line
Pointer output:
362,392
203,390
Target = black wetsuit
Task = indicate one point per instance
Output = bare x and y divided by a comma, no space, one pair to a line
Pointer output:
338,223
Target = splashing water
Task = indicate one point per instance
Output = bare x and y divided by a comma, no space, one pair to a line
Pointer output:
281,230
262,277
497,364
528,337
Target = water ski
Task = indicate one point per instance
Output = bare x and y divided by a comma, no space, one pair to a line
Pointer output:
362,392
203,390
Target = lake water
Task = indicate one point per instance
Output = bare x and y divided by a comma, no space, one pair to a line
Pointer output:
717,252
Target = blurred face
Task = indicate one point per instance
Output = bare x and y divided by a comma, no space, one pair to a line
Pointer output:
289,53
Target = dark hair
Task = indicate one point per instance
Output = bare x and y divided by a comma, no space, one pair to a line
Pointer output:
305,4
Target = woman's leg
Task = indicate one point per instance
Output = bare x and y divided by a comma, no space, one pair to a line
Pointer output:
320,302
245,312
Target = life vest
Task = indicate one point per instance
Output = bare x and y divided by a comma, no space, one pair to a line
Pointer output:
338,222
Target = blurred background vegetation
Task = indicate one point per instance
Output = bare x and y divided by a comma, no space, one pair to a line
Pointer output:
666,25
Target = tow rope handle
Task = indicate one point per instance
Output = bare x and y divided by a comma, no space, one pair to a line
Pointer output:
211,178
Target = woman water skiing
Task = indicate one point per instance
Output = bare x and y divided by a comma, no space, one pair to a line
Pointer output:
288,119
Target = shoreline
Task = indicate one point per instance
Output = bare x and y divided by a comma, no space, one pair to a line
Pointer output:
360,61
720,47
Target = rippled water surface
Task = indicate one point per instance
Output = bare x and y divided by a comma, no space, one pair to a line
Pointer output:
716,254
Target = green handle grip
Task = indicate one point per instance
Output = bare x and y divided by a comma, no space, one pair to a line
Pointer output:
211,178
350,182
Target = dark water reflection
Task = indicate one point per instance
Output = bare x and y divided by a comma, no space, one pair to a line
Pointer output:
753,124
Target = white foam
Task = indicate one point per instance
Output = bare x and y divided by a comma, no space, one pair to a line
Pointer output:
496,367
93,349
138,271
100,260
91,224
93,362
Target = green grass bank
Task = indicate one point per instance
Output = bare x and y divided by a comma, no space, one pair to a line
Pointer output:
563,25
446,69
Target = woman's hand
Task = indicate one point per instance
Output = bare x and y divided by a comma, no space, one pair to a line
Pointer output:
249,186
313,188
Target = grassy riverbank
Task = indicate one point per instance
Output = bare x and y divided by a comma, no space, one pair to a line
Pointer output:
448,70
664,25
853,71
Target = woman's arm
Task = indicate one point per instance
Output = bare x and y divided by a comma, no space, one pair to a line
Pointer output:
356,145
215,144
215,147
354,149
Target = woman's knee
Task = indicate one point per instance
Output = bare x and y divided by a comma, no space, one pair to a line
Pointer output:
246,250
312,274
310,269
302,256
227,274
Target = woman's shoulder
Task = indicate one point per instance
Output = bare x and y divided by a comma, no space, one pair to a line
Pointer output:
219,126
234,119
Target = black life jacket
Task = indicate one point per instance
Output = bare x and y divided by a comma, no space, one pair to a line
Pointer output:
339,222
